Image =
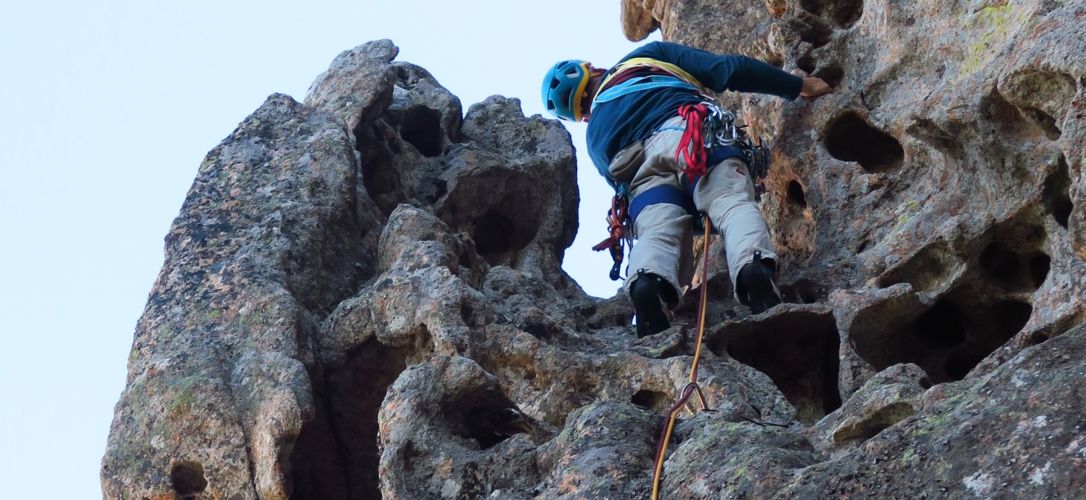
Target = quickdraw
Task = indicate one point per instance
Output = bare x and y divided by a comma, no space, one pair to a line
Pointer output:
617,218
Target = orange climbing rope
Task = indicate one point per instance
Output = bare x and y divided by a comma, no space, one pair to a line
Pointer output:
692,386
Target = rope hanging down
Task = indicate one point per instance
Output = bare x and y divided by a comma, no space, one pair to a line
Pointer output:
692,386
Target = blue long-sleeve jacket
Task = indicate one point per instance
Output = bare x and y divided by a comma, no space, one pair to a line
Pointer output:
618,123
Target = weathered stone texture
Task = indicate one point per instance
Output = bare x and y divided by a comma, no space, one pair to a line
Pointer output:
363,295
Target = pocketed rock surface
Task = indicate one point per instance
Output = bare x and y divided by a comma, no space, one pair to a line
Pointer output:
362,296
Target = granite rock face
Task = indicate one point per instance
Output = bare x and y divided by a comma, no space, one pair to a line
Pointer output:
363,296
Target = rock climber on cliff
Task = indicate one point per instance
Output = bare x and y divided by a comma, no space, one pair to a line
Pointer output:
640,139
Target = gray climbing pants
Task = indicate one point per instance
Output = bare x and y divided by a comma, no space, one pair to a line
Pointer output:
664,231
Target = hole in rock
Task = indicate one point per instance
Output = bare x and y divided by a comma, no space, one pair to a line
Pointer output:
1008,317
379,146
651,400
806,63
803,291
794,233
960,362
1006,118
492,233
999,263
433,190
1057,187
844,13
1043,97
1037,338
542,328
1052,330
947,340
486,416
1045,121
931,133
877,422
467,313
1014,271
812,29
421,127
587,310
465,261
336,454
497,238
864,245
850,138
1039,266
832,74
187,478
929,270
812,6
795,194
940,326
798,350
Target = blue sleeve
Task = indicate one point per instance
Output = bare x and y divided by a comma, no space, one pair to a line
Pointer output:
727,72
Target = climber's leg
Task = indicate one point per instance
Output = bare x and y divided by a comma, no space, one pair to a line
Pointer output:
727,194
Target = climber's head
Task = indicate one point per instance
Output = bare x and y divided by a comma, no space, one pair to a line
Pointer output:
565,87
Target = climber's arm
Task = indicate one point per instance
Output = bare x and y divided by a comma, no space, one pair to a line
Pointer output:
734,72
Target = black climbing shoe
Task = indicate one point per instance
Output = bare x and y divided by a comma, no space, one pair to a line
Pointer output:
755,285
649,293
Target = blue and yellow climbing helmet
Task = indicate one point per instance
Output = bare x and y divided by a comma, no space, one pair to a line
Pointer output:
563,88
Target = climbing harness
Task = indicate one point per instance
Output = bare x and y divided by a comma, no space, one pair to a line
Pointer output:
692,386
711,136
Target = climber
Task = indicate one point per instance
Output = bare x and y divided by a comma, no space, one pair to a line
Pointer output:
640,114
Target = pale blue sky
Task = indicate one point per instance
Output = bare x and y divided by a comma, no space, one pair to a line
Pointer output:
109,108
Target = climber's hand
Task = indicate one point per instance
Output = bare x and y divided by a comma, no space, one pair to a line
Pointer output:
814,87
